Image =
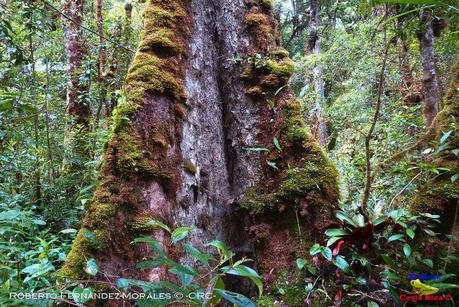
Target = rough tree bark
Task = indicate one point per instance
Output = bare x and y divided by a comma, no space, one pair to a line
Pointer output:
180,150
410,89
101,58
432,93
440,194
78,109
322,133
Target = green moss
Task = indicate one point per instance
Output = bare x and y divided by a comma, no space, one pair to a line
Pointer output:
254,91
147,74
434,195
267,4
255,19
156,17
138,225
293,125
283,68
311,175
189,166
267,301
99,214
77,257
279,53
267,75
160,41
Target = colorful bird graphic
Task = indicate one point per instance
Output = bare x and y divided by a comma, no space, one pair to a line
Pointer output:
422,289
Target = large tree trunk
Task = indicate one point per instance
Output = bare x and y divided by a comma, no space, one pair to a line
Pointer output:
322,133
180,150
440,193
78,108
432,93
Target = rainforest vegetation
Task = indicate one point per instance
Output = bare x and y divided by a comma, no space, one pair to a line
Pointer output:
229,153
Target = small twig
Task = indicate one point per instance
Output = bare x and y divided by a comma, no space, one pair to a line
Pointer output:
313,285
298,224
404,188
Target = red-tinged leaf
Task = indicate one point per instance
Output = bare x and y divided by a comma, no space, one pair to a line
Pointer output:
337,247
338,297
315,260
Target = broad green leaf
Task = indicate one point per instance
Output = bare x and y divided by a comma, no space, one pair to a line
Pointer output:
444,286
445,136
428,262
327,253
91,267
335,232
312,270
407,249
235,298
9,215
222,249
395,237
345,218
148,264
381,219
185,279
179,234
276,144
389,262
332,240
341,263
410,233
39,222
272,164
315,249
300,262
200,256
68,230
429,232
179,267
159,224
243,270
152,242
122,283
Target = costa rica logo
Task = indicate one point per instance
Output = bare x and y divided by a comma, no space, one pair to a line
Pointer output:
423,291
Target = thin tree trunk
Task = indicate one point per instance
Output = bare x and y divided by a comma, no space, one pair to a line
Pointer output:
101,77
432,93
78,109
318,81
37,174
52,172
180,149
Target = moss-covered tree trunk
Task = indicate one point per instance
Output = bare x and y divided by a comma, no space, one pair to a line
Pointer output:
78,109
432,92
440,193
208,85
